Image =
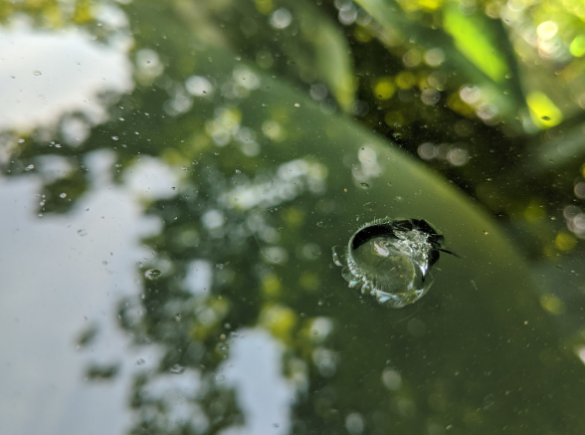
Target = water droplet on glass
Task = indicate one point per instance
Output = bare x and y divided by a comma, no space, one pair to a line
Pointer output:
29,168
115,138
339,255
62,195
391,260
81,232
364,185
152,274
178,317
177,369
37,73
369,206
140,361
220,378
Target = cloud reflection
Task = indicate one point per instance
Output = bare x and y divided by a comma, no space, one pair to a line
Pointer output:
46,75
265,397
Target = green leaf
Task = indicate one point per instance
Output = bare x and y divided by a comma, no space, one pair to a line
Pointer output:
478,340
331,52
476,47
471,354
475,40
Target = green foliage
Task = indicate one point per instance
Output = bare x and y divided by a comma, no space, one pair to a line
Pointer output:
287,178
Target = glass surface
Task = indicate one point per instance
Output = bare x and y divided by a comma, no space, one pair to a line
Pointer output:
175,174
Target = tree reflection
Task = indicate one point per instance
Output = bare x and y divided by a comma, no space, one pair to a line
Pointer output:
269,181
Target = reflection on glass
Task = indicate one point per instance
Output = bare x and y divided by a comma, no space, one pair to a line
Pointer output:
173,173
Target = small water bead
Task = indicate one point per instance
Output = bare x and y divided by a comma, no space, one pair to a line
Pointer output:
391,259
152,274
177,369
29,168
364,185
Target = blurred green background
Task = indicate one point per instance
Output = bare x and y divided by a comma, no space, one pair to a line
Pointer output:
286,125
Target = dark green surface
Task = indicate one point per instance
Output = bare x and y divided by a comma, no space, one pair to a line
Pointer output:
477,355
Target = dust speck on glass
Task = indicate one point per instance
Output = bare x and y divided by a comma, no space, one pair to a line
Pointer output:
391,259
